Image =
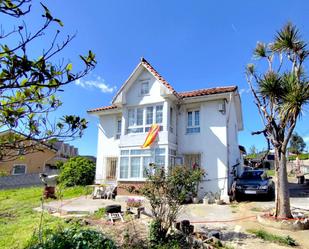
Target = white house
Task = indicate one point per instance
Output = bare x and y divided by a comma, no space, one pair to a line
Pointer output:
196,127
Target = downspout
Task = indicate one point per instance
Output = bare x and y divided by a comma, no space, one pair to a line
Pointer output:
227,141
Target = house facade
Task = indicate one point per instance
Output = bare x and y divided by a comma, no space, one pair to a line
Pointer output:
31,161
196,128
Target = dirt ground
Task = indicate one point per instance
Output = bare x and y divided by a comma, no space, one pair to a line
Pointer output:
231,220
249,208
234,233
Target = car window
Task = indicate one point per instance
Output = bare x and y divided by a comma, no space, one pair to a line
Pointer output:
256,175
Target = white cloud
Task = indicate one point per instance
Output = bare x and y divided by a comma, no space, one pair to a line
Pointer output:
244,90
96,83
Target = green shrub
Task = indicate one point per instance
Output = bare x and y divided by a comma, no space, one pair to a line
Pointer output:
282,240
98,214
77,171
155,233
4,173
73,238
300,156
166,191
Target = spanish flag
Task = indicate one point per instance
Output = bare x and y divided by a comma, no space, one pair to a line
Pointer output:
151,136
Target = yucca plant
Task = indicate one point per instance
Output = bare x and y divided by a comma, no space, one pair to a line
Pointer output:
280,94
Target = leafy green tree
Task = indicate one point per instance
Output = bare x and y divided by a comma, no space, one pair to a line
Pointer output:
77,171
280,94
29,84
297,144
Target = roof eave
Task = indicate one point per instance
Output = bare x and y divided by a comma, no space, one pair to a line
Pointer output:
125,83
104,112
208,97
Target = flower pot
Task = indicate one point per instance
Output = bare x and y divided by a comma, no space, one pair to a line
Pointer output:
196,200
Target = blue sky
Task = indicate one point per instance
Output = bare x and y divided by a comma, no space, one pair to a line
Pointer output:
193,44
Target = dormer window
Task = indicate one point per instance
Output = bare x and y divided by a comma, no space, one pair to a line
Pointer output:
144,88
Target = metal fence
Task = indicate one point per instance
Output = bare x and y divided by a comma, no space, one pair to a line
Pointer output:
22,181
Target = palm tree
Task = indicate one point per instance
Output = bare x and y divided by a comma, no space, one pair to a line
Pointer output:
280,94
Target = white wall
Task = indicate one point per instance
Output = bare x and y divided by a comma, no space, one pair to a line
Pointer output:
233,146
210,143
108,145
133,96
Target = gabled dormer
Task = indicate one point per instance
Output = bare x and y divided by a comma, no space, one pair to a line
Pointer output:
144,86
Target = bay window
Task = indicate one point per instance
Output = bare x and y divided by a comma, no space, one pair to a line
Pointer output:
135,162
140,119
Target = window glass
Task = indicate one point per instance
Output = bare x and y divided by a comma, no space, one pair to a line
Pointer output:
135,167
173,152
159,114
146,152
190,116
124,167
197,118
119,126
145,88
193,125
146,161
160,160
160,151
171,119
139,119
149,115
131,114
193,130
19,169
124,152
135,130
136,152
172,161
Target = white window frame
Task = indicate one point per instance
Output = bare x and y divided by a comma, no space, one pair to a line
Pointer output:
19,164
142,155
192,129
144,127
142,84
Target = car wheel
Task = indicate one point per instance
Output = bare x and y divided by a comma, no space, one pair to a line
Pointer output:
271,194
238,197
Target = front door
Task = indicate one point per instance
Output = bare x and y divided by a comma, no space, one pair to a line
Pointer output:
111,168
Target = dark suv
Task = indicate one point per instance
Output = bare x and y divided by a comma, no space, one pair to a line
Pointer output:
254,182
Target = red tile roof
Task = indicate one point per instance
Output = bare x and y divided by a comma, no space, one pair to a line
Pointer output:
104,108
181,95
207,91
158,76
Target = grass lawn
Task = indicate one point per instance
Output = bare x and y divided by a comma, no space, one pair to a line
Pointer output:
18,220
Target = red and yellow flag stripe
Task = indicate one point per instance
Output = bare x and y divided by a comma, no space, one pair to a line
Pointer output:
151,136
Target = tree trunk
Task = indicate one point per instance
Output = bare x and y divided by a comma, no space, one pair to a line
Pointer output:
283,209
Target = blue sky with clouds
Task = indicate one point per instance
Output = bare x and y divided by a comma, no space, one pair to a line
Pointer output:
193,44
